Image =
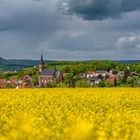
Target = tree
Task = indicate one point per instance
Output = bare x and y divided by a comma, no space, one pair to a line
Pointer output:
108,84
115,71
61,85
82,83
72,82
51,84
102,84
9,85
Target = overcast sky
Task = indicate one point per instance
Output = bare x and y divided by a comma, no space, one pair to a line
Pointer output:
70,29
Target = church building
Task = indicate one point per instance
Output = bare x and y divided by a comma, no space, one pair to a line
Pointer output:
47,76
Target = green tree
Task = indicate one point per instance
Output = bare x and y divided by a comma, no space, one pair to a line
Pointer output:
102,84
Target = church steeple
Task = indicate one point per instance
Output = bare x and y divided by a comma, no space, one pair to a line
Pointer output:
42,65
42,61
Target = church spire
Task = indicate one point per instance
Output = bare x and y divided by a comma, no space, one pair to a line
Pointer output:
42,65
42,61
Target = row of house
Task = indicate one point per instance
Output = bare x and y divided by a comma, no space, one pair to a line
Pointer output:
97,76
25,82
108,75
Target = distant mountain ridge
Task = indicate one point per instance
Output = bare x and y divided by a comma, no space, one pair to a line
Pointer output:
21,62
3,61
26,62
36,62
128,61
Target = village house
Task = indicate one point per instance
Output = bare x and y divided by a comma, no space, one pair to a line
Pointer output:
97,73
120,74
95,81
133,74
101,72
3,83
82,75
12,83
26,82
112,80
91,74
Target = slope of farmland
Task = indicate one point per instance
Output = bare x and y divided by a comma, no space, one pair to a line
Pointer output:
70,114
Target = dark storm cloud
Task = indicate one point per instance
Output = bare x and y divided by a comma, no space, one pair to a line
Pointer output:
28,16
31,27
24,25
98,9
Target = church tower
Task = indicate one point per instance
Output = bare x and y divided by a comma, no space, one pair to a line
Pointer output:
42,65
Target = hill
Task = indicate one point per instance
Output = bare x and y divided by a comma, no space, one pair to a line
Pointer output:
36,62
21,62
18,64
27,62
128,61
3,61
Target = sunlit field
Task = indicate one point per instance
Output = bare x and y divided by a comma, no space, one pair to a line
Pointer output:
70,114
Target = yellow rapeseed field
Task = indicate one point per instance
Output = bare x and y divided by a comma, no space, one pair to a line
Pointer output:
70,114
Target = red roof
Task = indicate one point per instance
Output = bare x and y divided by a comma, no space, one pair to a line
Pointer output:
3,81
14,81
111,79
91,72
